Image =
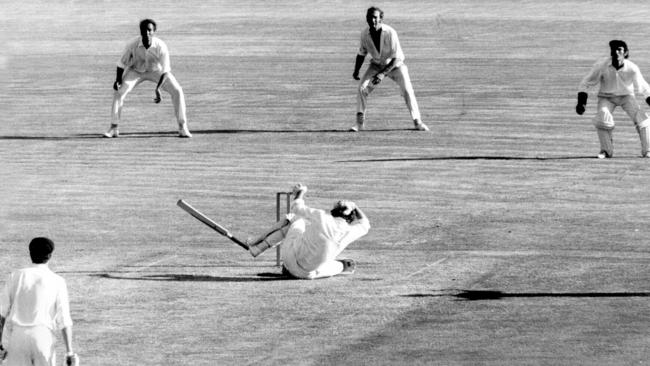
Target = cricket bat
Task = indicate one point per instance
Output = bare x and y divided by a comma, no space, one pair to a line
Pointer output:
206,220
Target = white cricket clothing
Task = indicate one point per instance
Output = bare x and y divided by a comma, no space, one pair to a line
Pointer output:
389,45
625,81
36,296
35,304
141,59
315,239
30,346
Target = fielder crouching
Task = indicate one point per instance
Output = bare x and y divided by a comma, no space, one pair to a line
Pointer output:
619,79
311,239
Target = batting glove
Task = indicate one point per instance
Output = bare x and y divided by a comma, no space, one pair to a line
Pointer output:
582,102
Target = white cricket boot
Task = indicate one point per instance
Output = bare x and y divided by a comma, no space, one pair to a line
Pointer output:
112,132
359,125
183,131
419,125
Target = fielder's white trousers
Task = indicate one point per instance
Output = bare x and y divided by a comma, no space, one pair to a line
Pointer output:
132,78
29,346
400,75
604,120
292,263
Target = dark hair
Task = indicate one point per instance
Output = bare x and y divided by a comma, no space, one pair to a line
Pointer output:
339,211
40,249
616,43
373,9
145,22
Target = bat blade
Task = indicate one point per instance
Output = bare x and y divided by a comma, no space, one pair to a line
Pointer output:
209,222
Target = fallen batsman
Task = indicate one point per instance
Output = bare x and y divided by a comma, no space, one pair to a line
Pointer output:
311,239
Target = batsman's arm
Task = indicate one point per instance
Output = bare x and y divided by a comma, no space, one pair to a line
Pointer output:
299,191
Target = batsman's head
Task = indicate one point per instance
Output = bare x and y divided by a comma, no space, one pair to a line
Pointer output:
619,49
40,249
345,210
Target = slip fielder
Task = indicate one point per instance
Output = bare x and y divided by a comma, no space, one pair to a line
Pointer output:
146,58
380,41
619,79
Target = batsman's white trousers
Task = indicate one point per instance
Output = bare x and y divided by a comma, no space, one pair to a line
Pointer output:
291,262
132,78
400,75
29,346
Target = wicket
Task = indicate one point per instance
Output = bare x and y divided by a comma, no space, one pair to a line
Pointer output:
278,216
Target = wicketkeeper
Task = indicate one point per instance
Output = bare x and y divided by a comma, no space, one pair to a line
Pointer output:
619,79
311,239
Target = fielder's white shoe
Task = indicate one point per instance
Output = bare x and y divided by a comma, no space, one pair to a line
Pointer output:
419,125
112,132
359,125
604,155
183,131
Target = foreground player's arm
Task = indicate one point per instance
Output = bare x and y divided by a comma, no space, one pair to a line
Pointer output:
67,339
158,97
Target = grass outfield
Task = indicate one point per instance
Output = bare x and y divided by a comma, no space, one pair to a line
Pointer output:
497,238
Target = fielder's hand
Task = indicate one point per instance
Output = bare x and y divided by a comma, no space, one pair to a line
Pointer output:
378,78
355,76
158,98
116,85
647,100
72,359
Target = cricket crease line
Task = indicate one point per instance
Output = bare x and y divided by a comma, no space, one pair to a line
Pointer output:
427,267
151,264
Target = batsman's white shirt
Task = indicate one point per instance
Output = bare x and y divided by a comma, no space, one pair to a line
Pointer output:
36,296
389,47
324,238
153,59
625,81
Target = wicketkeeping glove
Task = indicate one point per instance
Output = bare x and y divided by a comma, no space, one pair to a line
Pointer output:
72,360
582,102
647,100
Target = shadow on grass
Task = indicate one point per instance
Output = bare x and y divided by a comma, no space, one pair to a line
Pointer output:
196,278
159,134
477,157
477,295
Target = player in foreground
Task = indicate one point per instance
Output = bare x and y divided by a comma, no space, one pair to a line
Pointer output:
619,79
33,304
146,58
311,239
387,60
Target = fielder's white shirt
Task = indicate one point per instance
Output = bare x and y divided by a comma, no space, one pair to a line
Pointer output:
36,296
141,59
325,236
625,81
389,46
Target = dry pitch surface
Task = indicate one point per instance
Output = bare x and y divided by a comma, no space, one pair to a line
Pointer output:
497,238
